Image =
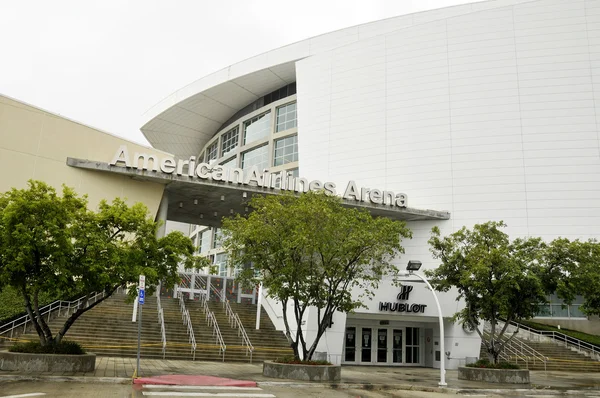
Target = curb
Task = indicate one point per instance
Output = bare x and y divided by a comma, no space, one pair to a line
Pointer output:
62,379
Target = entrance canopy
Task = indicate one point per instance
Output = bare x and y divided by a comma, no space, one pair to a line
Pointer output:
205,202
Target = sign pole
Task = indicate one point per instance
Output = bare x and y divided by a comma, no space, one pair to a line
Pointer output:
140,301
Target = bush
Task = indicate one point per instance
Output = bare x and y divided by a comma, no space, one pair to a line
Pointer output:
34,347
485,364
294,361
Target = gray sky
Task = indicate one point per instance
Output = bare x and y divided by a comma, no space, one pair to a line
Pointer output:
104,63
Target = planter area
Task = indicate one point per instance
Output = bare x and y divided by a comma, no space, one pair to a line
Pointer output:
507,376
327,373
47,362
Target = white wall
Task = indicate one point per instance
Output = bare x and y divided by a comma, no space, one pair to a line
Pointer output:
490,115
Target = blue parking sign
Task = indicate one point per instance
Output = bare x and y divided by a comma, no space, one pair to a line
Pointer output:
142,296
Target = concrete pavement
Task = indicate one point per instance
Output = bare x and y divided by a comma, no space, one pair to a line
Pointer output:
121,370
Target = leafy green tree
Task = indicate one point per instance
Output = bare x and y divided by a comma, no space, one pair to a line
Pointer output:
498,279
53,244
572,269
311,251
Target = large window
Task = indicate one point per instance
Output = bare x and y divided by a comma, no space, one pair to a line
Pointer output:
556,308
221,261
217,238
286,151
229,141
286,117
257,128
212,152
205,238
257,157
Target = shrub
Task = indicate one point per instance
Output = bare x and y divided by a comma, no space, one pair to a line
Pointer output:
294,361
485,364
34,347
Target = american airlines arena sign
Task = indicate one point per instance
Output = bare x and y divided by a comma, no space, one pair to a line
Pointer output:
252,177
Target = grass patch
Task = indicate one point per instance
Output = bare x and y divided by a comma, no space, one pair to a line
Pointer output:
485,364
294,361
34,347
588,338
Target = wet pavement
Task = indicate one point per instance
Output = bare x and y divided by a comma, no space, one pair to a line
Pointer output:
386,380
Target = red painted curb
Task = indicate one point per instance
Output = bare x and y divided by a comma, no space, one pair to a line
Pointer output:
193,380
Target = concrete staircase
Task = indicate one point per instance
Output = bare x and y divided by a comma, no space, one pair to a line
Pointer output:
107,330
558,357
268,343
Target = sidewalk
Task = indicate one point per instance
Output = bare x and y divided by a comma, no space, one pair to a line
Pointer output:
426,379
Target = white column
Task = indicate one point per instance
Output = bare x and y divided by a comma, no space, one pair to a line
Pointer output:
259,306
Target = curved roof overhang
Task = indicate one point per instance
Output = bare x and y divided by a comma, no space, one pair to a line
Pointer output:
183,123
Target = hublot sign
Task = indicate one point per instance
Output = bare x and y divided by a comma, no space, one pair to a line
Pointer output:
402,307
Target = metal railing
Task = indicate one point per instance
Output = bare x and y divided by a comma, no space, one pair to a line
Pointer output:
61,307
161,320
187,321
212,321
520,350
236,323
562,339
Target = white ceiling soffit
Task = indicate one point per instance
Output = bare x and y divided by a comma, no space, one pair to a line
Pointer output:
185,121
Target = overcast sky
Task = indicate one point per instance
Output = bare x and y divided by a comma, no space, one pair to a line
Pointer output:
104,63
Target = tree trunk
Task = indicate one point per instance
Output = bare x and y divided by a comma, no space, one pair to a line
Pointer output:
42,322
36,325
288,333
67,325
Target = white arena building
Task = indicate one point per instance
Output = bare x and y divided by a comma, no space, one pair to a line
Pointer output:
483,111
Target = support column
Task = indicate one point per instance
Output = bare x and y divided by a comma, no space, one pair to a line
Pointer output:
161,218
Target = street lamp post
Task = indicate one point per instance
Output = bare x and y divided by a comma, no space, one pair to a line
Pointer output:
410,271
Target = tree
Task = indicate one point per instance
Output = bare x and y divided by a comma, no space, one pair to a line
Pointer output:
55,244
572,269
311,251
498,279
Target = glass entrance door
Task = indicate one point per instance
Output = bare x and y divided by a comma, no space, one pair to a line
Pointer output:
413,343
397,346
382,345
350,351
366,344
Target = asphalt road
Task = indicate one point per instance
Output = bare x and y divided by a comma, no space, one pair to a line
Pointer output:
79,390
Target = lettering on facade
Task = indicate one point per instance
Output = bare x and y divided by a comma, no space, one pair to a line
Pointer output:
402,307
251,176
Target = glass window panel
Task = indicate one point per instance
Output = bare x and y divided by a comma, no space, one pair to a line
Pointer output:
257,157
559,311
286,117
543,310
286,150
229,141
205,238
575,311
212,152
257,128
221,261
218,236
230,163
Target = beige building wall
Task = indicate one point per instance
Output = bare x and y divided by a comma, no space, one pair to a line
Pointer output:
35,144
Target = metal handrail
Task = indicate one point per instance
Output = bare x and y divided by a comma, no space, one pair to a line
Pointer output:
524,351
212,321
161,320
220,294
235,322
57,305
187,321
562,338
